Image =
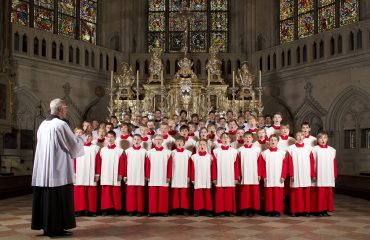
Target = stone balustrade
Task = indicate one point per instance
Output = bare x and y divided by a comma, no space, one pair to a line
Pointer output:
346,41
34,43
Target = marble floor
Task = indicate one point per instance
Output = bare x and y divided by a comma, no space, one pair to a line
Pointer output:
351,220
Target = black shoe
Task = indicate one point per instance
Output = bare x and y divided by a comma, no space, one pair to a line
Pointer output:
130,214
196,213
150,215
250,214
209,214
63,233
325,213
277,215
117,213
92,214
186,213
293,215
139,215
104,213
306,214
245,213
165,215
77,214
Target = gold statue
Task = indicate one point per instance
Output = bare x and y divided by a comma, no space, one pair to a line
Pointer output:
244,78
156,66
214,66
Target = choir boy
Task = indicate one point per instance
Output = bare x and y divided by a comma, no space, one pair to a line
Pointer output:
211,128
134,177
284,139
180,189
124,141
78,131
85,192
226,174
301,171
151,128
108,127
192,127
274,172
189,141
110,170
261,122
116,129
158,172
201,124
251,172
146,141
218,142
252,125
309,140
239,142
275,128
201,165
326,168
263,142
203,134
168,141
101,140
232,128
172,126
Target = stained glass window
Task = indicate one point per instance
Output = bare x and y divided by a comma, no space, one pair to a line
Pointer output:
58,16
349,11
88,20
20,12
303,18
208,25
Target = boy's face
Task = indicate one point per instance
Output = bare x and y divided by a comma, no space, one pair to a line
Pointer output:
277,119
179,143
225,140
164,129
211,129
220,132
79,132
252,122
136,141
191,128
241,121
212,117
202,147
175,118
261,121
114,121
108,128
247,114
124,129
233,126
171,124
268,120
229,115
284,131
248,139
273,142
201,124
323,140
158,140
143,131
239,134
184,132
101,133
111,138
299,137
261,134
194,119
203,134
222,122
89,138
157,114
151,125
95,124
144,121
306,129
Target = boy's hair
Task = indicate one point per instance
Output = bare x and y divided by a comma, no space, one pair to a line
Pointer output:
240,128
164,124
191,123
261,129
252,117
184,127
221,118
233,120
88,134
203,140
143,126
102,129
76,129
202,129
321,134
305,123
275,136
124,124
248,134
109,124
112,133
267,116
278,113
136,135
184,111
285,125
156,135
210,112
220,129
113,117
211,125
201,120
224,134
180,138
194,115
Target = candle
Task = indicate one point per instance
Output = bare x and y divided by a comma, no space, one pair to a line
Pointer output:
209,78
137,80
260,79
111,79
233,78
162,78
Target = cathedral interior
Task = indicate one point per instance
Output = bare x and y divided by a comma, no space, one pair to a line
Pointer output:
306,59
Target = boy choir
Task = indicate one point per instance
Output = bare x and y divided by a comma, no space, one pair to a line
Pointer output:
204,169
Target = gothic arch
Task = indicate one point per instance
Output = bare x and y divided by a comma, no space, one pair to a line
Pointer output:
94,110
346,101
274,104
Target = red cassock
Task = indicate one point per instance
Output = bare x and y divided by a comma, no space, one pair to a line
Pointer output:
134,173
251,169
274,168
85,188
225,170
158,168
200,174
180,189
301,171
111,166
326,171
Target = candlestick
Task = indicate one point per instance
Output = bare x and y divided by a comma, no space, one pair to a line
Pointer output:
260,78
162,78
209,78
233,78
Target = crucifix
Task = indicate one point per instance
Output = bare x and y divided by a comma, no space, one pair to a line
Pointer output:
186,15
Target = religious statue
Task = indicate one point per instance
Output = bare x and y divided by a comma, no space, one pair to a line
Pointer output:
125,79
156,66
214,66
244,78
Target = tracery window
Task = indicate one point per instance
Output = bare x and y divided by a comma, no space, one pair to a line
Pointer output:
208,26
303,18
71,18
